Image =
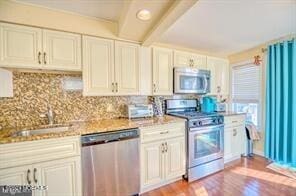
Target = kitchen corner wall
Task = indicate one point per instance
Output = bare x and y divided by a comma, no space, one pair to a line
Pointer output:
32,91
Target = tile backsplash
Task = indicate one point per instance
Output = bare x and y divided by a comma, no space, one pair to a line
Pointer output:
32,92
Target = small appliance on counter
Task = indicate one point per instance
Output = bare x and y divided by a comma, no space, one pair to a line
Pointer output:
140,111
208,104
221,107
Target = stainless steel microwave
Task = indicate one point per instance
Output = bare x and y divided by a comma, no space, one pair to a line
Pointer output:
192,81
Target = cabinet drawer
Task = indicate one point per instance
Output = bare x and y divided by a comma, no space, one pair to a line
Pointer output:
22,153
233,121
160,132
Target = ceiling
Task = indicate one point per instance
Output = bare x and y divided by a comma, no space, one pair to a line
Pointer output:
103,9
225,27
220,27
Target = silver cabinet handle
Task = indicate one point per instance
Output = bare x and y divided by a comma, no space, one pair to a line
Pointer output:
112,86
234,121
154,87
28,176
116,84
162,148
44,57
164,132
166,147
234,132
39,57
35,179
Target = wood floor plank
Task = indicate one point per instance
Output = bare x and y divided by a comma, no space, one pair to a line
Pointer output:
241,177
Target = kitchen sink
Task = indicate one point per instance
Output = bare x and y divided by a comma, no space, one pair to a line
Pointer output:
41,131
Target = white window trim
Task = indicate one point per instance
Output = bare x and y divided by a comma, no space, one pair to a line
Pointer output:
261,116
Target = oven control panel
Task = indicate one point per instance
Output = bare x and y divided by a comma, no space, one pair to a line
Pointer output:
201,122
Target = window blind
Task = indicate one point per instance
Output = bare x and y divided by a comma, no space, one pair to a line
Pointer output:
246,83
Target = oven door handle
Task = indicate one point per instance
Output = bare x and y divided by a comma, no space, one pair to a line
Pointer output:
206,129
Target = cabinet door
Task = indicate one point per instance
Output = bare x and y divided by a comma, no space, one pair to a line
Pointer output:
222,76
175,158
181,59
127,68
162,71
227,144
62,177
211,66
98,66
152,163
16,175
61,51
20,46
237,141
199,61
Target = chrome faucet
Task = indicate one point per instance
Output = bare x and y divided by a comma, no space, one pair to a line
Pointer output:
49,114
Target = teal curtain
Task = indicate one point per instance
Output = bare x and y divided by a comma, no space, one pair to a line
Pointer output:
280,133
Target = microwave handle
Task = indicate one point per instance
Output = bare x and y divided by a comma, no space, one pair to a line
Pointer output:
206,83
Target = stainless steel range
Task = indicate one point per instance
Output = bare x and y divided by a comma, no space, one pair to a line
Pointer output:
205,141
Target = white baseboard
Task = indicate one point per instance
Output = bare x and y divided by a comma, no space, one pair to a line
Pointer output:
258,152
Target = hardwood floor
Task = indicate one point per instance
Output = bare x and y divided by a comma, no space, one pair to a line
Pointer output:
243,177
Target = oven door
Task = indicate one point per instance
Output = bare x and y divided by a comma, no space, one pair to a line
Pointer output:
190,82
205,144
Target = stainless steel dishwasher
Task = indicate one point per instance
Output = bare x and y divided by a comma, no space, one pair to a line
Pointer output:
110,163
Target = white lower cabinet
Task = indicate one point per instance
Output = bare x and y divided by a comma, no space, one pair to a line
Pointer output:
62,175
162,160
15,175
234,137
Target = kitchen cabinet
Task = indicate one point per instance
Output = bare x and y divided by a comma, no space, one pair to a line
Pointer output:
163,157
127,68
162,71
219,75
36,48
54,173
52,162
61,50
186,59
175,158
98,66
152,163
20,46
234,137
15,175
104,76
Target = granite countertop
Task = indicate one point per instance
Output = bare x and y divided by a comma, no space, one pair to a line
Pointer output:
88,127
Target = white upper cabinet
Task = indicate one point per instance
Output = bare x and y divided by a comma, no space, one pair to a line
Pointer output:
127,68
219,75
186,59
34,48
20,46
98,66
109,70
162,71
199,61
61,50
182,59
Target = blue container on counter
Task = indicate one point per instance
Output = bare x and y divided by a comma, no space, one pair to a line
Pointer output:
208,104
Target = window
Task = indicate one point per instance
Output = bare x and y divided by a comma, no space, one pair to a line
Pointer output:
246,91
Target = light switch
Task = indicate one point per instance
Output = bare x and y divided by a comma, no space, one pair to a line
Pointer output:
6,83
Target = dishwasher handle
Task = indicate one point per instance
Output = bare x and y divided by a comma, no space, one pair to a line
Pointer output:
102,138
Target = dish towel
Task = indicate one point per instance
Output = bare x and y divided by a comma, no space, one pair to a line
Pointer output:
253,131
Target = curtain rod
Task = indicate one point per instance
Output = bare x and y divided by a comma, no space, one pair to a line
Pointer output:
263,50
